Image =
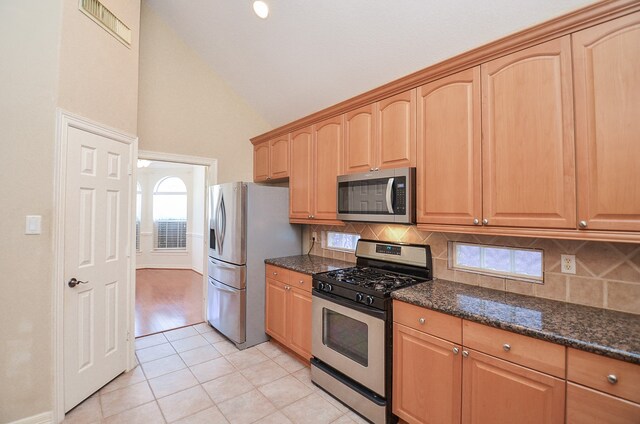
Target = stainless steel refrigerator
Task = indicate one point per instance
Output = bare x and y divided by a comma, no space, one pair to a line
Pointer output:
248,223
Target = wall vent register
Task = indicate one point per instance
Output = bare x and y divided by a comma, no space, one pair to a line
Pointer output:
107,20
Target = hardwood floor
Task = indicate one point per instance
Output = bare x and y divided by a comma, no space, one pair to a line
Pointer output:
167,299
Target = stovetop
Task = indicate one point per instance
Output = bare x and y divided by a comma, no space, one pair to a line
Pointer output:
375,279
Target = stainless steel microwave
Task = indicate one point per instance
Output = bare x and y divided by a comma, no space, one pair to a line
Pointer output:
379,196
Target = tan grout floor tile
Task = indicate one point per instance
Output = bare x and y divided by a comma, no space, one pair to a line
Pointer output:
312,409
247,408
180,333
208,416
169,384
126,398
247,358
264,372
123,380
148,341
275,418
212,369
86,412
227,387
285,391
203,327
149,413
200,355
163,366
156,352
288,362
183,345
184,403
225,347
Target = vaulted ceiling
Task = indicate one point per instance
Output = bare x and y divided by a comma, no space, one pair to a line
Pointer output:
309,55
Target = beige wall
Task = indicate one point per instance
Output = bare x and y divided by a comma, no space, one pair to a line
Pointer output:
27,117
186,108
607,274
99,74
92,75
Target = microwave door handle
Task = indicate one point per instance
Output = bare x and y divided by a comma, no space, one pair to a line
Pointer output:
390,195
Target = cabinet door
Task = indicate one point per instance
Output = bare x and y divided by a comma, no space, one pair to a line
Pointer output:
449,186
499,392
300,320
327,152
426,378
279,157
396,131
276,310
359,140
586,406
301,175
528,161
607,92
261,162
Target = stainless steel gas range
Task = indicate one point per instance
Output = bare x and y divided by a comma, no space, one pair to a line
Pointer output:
352,324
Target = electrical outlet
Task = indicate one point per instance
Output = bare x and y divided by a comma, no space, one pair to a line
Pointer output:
568,264
314,236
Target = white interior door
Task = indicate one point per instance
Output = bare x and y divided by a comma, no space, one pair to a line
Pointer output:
96,243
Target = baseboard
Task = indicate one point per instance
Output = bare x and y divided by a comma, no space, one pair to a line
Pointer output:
163,266
44,418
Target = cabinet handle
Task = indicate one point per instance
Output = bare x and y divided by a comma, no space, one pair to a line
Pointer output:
465,353
455,350
611,378
583,224
421,320
506,347
476,221
485,221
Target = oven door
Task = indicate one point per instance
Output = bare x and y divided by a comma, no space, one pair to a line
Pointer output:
350,338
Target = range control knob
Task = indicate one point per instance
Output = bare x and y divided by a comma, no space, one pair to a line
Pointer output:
369,300
359,297
328,287
320,286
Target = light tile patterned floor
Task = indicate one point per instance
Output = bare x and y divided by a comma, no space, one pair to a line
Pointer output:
194,375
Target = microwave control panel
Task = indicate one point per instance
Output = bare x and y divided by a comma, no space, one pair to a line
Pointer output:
401,196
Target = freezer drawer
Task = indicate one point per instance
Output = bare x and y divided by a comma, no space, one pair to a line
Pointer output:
227,307
228,274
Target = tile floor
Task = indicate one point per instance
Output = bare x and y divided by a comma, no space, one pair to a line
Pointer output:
194,375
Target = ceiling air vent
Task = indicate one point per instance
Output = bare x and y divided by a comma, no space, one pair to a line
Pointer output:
107,20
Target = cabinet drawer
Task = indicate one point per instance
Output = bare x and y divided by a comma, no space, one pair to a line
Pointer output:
529,352
587,406
300,281
594,371
435,323
277,273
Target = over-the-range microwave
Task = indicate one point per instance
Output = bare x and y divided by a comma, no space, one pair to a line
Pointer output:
378,196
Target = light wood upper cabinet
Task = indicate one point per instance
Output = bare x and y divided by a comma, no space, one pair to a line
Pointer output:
528,140
301,175
271,160
427,384
261,162
327,166
497,391
359,139
449,173
606,61
279,157
396,131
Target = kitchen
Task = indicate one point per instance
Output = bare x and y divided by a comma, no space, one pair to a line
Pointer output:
605,267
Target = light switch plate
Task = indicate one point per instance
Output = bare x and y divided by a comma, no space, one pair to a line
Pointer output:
33,224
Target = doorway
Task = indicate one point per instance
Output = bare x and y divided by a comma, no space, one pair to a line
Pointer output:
170,243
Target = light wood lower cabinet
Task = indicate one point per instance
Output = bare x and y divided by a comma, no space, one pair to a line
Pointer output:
427,384
495,391
588,406
288,309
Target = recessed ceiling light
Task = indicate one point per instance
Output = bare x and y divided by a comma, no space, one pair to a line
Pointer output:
261,8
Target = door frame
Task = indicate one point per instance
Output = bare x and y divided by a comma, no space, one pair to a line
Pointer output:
210,178
64,121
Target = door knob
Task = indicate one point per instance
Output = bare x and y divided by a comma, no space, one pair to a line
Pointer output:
74,282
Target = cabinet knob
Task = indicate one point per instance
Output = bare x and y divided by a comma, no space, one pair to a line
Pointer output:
465,353
275,273
455,350
421,320
313,216
506,347
377,169
370,169
583,224
476,221
485,221
611,378
301,282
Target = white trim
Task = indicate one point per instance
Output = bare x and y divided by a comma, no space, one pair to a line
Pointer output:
43,418
172,157
64,121
165,266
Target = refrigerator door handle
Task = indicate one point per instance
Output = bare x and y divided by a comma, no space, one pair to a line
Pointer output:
218,222
223,230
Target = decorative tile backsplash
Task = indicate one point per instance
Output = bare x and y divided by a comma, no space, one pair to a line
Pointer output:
607,274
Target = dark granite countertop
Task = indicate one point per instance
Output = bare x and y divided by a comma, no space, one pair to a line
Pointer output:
308,264
601,331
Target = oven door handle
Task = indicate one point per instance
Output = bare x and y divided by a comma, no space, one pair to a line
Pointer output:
389,195
376,313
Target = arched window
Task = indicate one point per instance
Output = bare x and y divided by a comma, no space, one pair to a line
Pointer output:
170,213
138,215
